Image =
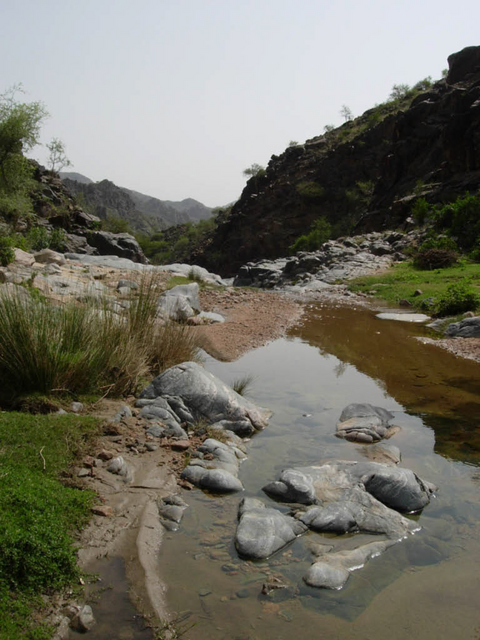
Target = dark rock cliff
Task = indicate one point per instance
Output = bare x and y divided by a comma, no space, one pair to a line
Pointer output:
363,176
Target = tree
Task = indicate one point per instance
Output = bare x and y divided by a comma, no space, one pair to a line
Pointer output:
57,159
254,170
399,91
346,113
19,132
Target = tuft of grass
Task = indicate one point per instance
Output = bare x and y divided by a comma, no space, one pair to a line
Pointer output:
86,348
243,385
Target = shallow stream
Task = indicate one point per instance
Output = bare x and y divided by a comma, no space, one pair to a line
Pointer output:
424,587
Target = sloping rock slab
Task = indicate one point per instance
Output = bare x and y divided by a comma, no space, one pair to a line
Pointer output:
262,531
207,397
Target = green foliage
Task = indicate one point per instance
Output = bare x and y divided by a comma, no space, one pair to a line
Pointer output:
38,514
404,282
19,132
254,170
114,224
57,240
320,232
6,251
310,190
399,92
243,385
38,238
458,298
177,244
57,159
420,211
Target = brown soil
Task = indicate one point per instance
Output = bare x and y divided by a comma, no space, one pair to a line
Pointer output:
252,319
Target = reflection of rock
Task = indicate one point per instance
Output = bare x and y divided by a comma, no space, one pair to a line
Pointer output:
384,453
208,398
332,570
365,423
262,531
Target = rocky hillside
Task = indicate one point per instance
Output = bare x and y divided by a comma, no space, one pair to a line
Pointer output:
143,213
364,175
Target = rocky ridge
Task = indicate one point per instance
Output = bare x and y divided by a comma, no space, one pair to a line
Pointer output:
364,175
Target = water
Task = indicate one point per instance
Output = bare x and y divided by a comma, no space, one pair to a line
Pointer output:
426,586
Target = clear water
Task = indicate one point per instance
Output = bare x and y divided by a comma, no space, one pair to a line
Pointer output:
424,587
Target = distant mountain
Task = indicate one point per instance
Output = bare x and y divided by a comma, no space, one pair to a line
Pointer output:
73,175
143,213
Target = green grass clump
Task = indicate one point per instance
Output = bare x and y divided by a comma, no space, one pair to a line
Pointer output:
403,282
86,348
38,515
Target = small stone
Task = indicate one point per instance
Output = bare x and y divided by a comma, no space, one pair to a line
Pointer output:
203,592
180,445
151,446
89,462
83,473
84,619
76,407
105,455
242,593
103,510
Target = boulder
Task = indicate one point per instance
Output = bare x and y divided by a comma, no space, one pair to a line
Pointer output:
47,256
365,423
216,480
23,258
262,531
172,508
122,245
397,488
466,328
208,398
180,302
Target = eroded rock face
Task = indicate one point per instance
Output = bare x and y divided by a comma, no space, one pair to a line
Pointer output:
365,423
262,531
208,398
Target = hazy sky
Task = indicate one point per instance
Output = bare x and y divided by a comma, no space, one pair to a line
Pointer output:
175,98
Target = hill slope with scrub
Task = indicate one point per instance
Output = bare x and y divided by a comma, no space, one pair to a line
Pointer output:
366,175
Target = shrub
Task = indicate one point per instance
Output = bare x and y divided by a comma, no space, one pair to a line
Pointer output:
311,190
458,298
420,211
38,238
321,231
6,251
436,253
57,239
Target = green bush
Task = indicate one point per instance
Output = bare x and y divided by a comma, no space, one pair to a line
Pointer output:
38,238
420,211
6,251
458,298
57,240
320,232
310,190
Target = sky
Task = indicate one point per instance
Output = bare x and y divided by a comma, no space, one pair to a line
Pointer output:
175,98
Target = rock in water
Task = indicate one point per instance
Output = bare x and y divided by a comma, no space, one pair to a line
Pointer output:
365,423
262,531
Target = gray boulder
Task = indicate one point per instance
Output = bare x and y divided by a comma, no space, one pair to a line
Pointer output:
466,328
397,488
262,531
171,508
208,398
122,245
365,423
216,480
180,302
